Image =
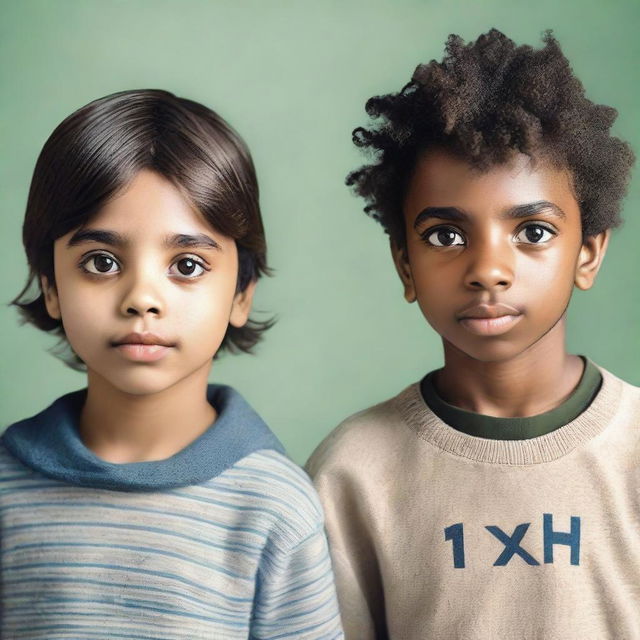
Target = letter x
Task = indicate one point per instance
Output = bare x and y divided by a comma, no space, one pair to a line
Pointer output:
512,544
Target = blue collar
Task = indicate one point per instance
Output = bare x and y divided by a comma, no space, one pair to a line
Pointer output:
49,443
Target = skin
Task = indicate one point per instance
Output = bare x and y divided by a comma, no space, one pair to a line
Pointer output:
493,258
140,411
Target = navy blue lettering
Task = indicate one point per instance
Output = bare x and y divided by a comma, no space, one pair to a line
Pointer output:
512,545
455,533
571,539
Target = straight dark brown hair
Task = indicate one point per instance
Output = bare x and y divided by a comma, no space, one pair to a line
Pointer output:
95,153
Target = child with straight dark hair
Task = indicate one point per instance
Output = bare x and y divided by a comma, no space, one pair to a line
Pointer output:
152,504
499,496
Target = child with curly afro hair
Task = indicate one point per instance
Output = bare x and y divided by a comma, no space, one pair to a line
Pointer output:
498,496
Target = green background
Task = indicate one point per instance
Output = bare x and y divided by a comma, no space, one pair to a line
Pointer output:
293,78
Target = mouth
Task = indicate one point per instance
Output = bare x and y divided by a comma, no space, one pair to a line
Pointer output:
142,352
143,347
489,319
490,326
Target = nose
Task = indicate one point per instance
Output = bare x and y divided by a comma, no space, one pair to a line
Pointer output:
142,296
490,266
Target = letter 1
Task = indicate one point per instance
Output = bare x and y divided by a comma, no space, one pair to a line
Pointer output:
455,533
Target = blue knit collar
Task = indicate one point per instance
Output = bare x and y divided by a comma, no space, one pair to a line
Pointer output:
49,443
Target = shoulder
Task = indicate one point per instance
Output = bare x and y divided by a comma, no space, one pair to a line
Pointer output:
360,437
9,464
625,395
270,482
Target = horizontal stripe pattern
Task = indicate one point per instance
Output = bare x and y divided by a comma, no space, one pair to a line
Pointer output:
242,555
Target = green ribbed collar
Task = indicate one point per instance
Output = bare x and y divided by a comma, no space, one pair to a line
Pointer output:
483,426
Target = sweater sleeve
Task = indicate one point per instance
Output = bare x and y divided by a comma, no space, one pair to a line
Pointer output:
357,576
295,595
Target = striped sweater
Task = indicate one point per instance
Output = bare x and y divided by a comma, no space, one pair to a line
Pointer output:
224,540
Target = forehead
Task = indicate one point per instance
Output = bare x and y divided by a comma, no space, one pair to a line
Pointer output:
442,179
150,206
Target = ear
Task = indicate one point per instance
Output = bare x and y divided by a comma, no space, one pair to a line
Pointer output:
50,298
590,258
242,306
401,260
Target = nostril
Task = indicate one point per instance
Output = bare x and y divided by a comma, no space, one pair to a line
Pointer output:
500,283
135,312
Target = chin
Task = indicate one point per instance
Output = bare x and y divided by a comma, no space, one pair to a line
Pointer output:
138,383
493,350
141,389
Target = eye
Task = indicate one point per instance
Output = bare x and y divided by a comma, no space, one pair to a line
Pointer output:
189,268
99,263
443,237
535,234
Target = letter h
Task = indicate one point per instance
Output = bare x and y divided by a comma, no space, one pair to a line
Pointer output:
552,537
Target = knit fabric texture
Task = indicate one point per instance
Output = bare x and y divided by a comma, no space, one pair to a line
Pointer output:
435,533
223,540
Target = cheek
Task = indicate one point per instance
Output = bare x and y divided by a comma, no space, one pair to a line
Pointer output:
83,327
205,314
433,296
437,300
548,278
201,316
435,282
82,314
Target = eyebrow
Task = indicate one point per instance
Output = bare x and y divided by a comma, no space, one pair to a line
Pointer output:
115,239
519,211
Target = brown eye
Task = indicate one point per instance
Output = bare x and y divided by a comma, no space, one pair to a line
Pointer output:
535,234
443,237
189,267
103,263
100,263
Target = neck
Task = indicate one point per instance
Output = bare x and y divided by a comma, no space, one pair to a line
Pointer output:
533,382
122,427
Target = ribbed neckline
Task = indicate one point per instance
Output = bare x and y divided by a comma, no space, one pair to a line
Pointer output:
517,428
50,443
551,446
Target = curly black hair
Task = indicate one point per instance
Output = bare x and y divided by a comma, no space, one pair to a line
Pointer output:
484,102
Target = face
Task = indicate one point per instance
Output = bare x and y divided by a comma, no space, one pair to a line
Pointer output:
492,257
147,268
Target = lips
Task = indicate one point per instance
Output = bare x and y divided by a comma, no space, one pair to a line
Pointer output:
484,311
142,347
143,338
489,319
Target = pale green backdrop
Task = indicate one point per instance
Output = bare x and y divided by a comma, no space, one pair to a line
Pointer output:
293,78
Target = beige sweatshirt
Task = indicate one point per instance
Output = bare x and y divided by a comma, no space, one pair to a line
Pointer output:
436,534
